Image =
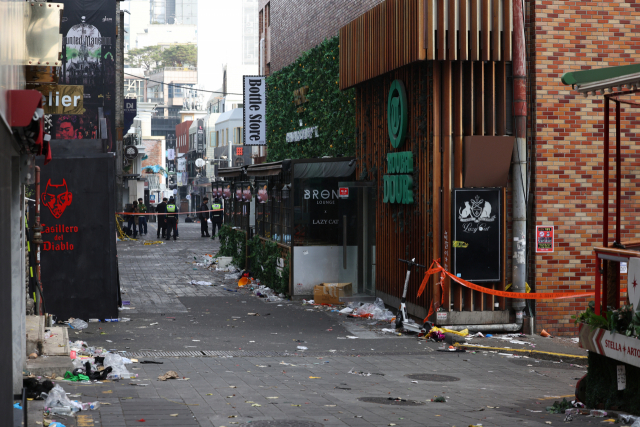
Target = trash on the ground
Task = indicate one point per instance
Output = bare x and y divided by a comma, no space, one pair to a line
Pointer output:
362,374
439,399
34,387
200,283
116,363
559,407
462,333
168,375
545,334
346,310
232,276
352,337
301,347
330,293
151,362
78,324
627,419
598,413
375,311
572,411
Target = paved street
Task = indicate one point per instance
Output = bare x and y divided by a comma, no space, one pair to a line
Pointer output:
241,369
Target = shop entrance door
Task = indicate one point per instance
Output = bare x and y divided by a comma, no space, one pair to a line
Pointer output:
365,222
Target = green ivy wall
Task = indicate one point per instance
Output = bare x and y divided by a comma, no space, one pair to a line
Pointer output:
332,110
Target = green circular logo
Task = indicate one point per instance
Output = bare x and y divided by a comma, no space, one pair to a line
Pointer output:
397,114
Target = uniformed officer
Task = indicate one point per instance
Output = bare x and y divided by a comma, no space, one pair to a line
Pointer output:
217,216
172,218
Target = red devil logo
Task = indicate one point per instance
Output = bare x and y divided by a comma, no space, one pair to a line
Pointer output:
56,198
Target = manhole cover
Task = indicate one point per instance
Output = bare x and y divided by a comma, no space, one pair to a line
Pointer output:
281,423
390,401
433,377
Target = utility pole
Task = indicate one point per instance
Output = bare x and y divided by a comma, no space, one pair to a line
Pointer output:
519,169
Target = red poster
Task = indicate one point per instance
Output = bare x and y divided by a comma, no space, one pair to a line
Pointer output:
544,238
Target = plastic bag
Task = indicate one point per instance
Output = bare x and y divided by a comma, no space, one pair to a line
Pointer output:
375,311
57,401
78,324
116,363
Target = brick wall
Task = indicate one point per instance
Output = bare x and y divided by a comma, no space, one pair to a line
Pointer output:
182,135
568,133
299,25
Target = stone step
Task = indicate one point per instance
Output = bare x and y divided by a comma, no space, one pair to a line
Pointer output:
45,366
35,334
58,343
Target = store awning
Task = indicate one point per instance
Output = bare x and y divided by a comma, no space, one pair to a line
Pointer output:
265,169
610,79
229,172
341,169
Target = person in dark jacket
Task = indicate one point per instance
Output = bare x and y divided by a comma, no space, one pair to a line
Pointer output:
203,215
133,220
142,219
172,218
162,221
217,216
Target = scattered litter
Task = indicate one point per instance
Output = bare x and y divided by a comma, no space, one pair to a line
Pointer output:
545,334
375,311
315,378
362,374
152,324
439,399
274,397
301,347
598,413
351,337
346,310
201,283
169,375
78,324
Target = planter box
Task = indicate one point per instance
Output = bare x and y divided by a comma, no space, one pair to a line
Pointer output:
613,345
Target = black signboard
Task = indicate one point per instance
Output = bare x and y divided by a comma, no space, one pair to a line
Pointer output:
89,59
130,111
477,234
200,136
78,256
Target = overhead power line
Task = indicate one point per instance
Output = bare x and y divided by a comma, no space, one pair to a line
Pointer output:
185,87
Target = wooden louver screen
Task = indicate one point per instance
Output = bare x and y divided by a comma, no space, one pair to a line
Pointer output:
399,32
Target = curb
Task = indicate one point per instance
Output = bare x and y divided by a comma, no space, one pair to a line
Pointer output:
537,354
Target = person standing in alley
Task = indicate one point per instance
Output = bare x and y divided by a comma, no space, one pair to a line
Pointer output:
217,215
172,218
161,209
203,215
133,220
142,219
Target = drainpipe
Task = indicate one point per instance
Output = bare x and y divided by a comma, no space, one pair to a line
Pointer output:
519,169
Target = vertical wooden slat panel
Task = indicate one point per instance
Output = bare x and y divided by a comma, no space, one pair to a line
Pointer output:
478,94
441,34
507,25
475,29
447,172
503,281
431,16
453,29
485,23
489,98
437,170
422,46
469,96
464,29
457,112
501,101
495,30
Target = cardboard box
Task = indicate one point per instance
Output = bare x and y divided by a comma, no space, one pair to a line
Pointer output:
330,293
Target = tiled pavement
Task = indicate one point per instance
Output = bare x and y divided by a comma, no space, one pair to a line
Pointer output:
492,390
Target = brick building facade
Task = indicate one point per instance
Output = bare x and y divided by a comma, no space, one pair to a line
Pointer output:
567,131
292,27
154,150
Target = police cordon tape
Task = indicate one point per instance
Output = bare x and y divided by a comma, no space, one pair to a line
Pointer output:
167,213
443,272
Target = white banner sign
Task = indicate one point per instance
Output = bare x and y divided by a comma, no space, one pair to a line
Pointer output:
255,108
182,164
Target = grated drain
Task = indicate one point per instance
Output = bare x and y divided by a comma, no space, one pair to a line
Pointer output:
281,423
432,377
390,401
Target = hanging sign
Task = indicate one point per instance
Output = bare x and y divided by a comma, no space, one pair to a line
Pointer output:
226,190
544,238
200,136
262,191
61,99
255,118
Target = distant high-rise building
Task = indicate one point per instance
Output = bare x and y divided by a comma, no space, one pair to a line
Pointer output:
250,30
182,12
